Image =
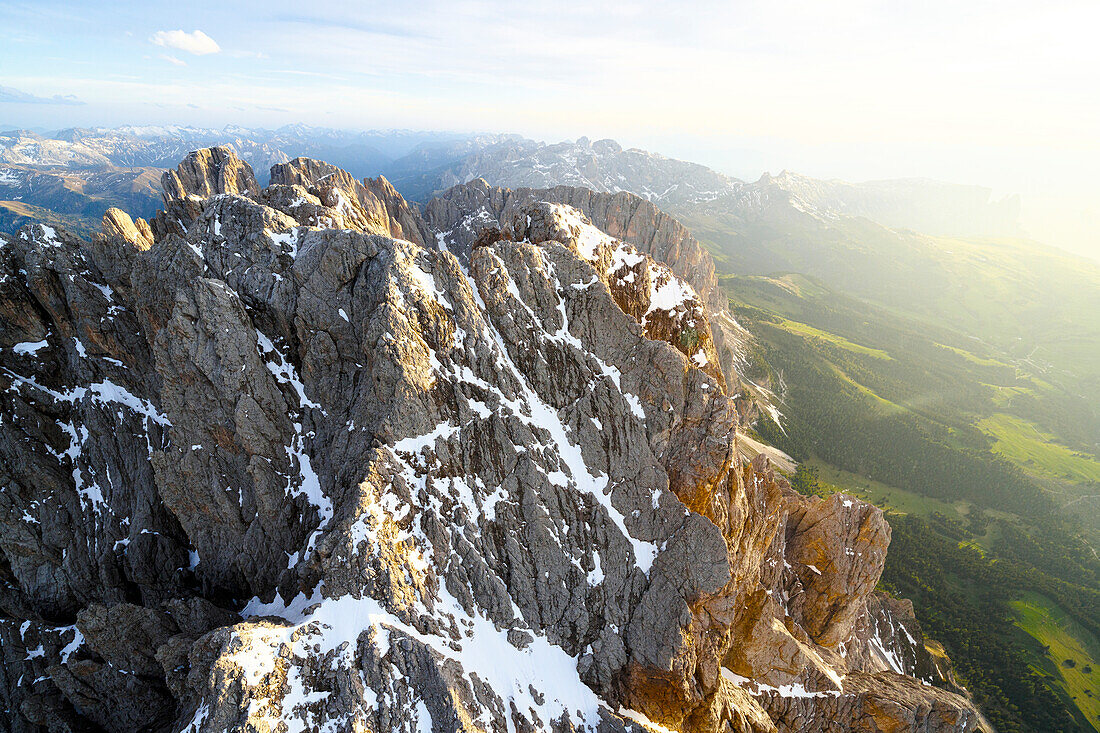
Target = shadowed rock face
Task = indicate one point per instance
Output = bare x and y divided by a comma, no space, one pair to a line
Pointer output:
281,468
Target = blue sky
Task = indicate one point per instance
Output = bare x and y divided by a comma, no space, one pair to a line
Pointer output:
1006,94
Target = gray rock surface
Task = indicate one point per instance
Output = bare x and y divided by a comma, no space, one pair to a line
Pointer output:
281,470
373,206
460,214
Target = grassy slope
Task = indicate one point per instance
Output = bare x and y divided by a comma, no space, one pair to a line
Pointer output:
811,332
1038,452
15,214
1056,635
943,375
1061,638
899,501
1030,305
77,200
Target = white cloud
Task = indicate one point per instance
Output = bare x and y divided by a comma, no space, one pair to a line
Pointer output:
173,60
12,95
195,42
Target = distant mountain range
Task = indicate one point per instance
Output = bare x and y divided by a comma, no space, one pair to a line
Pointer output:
422,163
931,207
875,240
162,146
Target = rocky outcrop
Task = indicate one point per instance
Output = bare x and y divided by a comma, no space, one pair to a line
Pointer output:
202,174
461,213
870,704
646,289
274,474
208,172
117,224
369,206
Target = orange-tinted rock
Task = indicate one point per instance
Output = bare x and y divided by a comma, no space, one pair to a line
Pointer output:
117,223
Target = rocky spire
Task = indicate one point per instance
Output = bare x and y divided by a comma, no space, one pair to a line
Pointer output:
208,172
372,205
117,223
462,212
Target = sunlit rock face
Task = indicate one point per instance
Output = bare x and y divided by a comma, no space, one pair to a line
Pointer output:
460,214
297,459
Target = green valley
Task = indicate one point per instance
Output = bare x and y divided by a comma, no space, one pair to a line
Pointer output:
1072,654
982,453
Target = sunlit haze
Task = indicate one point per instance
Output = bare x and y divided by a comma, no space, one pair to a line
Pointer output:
651,367
1002,94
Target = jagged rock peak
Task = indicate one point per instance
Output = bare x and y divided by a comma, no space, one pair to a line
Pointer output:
276,472
667,307
371,205
308,172
208,172
463,210
461,213
117,223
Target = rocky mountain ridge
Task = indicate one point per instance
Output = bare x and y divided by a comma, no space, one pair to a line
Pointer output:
932,207
461,213
162,146
298,458
71,177
422,164
602,166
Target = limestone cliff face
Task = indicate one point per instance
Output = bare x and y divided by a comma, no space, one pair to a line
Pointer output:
282,470
207,172
372,206
118,224
460,214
